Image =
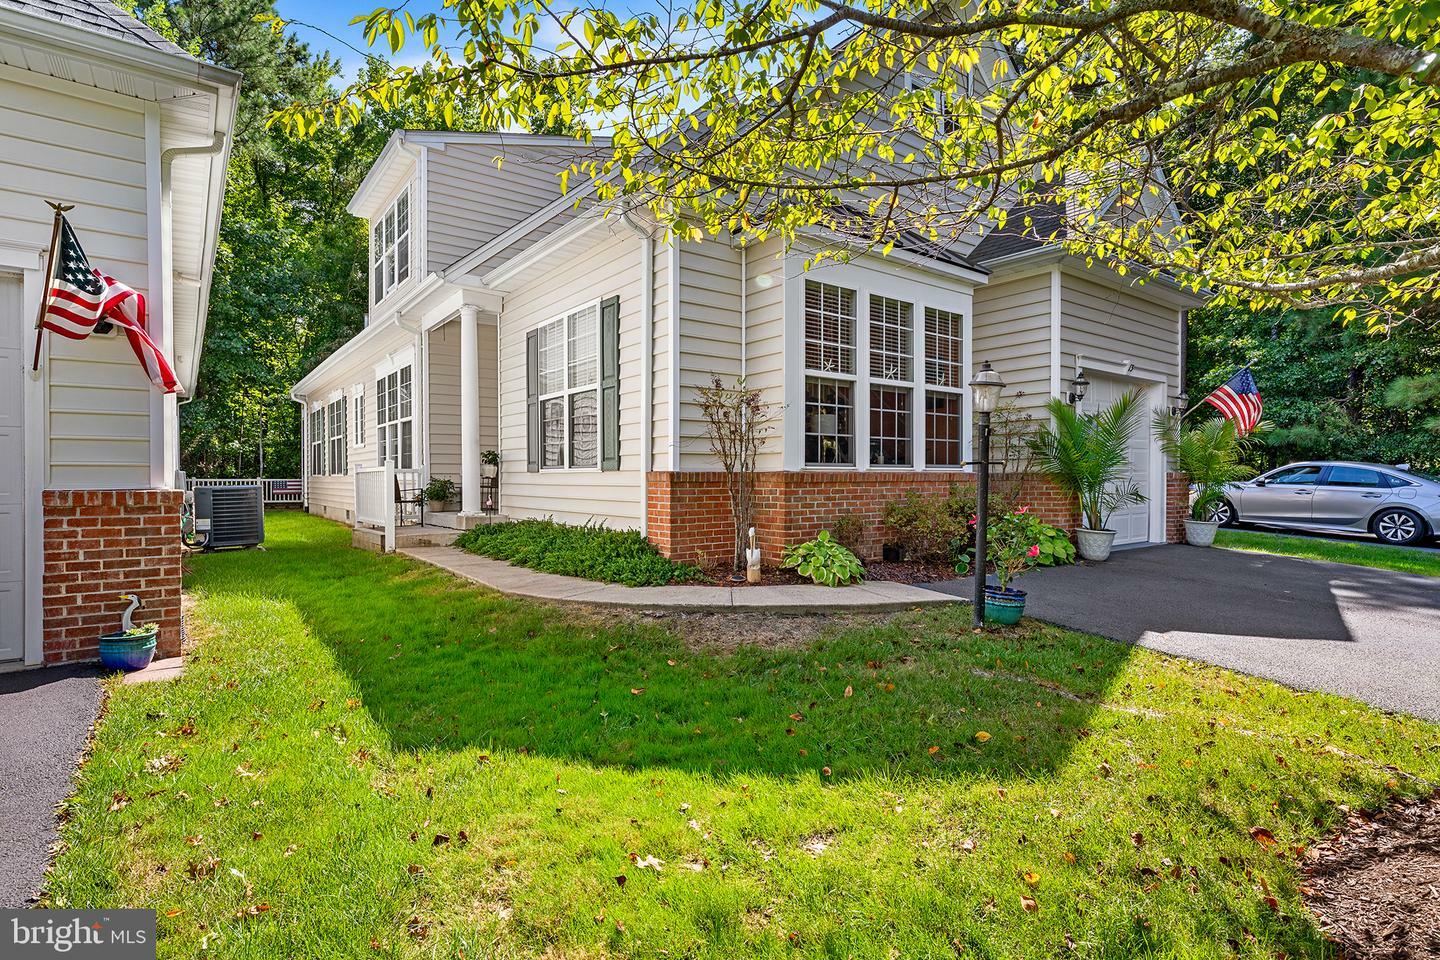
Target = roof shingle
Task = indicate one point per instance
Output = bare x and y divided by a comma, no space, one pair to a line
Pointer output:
96,16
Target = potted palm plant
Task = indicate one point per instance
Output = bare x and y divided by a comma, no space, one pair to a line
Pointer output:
1210,455
1085,455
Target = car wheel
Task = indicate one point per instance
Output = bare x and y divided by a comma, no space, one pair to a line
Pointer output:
1224,514
1398,527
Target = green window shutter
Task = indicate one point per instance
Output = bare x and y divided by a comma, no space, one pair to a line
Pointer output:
532,401
610,384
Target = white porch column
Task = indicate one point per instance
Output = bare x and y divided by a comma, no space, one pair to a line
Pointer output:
469,409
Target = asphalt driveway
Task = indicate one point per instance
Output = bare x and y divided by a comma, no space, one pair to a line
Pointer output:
46,716
1369,634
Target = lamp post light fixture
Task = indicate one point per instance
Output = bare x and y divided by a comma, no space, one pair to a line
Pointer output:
985,390
1182,403
1078,387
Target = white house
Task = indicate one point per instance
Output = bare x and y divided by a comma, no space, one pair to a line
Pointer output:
98,111
501,317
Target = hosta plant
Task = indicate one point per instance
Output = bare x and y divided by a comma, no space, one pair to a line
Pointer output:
824,561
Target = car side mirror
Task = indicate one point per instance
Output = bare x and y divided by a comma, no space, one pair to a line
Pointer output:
1261,482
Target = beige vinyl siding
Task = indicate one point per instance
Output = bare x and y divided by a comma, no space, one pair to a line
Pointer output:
471,199
709,338
611,268
444,406
765,337
73,143
1110,326
1012,332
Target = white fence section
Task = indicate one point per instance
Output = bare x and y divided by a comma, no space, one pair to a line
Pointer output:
375,499
273,490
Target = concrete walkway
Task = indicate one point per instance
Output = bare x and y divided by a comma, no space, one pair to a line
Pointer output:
501,576
46,715
1369,634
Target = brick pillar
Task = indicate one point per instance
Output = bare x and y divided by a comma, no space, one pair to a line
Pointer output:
98,545
1177,506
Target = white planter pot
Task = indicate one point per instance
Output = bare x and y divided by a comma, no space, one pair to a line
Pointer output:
1200,533
1094,545
489,470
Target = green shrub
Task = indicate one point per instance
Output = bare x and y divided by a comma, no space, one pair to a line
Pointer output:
933,528
824,561
591,551
1056,550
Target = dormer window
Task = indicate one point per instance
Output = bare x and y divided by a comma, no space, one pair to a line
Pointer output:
390,247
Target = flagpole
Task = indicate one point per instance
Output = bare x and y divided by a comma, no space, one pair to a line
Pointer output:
60,210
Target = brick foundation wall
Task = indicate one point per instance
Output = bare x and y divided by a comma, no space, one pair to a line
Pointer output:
98,545
689,513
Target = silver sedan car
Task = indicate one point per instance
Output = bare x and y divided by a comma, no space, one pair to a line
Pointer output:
1397,504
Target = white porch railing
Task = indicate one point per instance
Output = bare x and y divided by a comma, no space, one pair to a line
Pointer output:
273,490
385,496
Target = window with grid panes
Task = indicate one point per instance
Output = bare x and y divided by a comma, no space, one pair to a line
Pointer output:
390,247
892,359
569,358
394,423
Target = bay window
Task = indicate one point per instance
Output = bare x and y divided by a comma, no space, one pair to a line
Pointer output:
394,423
390,247
569,380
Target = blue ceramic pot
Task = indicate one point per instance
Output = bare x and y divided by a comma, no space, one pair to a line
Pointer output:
1004,606
134,652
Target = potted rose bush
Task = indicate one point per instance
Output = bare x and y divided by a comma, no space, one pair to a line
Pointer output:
1016,542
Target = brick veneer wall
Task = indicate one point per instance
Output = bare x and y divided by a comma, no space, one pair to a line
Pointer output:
689,513
98,545
1177,506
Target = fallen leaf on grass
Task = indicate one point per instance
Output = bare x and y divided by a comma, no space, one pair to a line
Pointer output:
982,736
119,801
1262,836
1028,904
932,750
849,691
647,862
636,691
1068,857
1032,878
620,880
174,913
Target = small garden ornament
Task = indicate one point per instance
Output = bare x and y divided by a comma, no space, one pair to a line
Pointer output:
752,559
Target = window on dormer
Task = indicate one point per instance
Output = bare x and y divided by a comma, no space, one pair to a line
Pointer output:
390,247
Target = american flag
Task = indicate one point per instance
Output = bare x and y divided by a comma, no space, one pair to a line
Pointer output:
1238,400
81,297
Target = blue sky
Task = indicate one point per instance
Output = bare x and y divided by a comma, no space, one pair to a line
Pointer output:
325,25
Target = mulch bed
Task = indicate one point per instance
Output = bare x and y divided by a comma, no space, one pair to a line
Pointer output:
893,572
1375,885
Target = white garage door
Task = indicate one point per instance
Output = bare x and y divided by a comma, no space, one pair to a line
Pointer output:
12,468
1132,523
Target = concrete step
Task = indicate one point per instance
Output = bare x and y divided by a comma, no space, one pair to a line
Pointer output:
370,538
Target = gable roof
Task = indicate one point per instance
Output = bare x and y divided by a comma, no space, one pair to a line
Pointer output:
96,16
1046,222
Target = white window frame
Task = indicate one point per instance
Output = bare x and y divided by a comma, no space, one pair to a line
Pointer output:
567,392
318,440
386,241
902,383
859,360
390,421
337,419
357,407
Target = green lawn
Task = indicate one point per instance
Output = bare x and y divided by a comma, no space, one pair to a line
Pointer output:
369,758
1357,552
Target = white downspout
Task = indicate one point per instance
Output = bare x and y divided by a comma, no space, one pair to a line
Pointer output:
744,310
647,367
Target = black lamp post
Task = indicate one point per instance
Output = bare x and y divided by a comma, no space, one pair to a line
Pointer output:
985,391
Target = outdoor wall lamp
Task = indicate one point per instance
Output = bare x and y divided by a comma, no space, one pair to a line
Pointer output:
1181,403
1078,386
